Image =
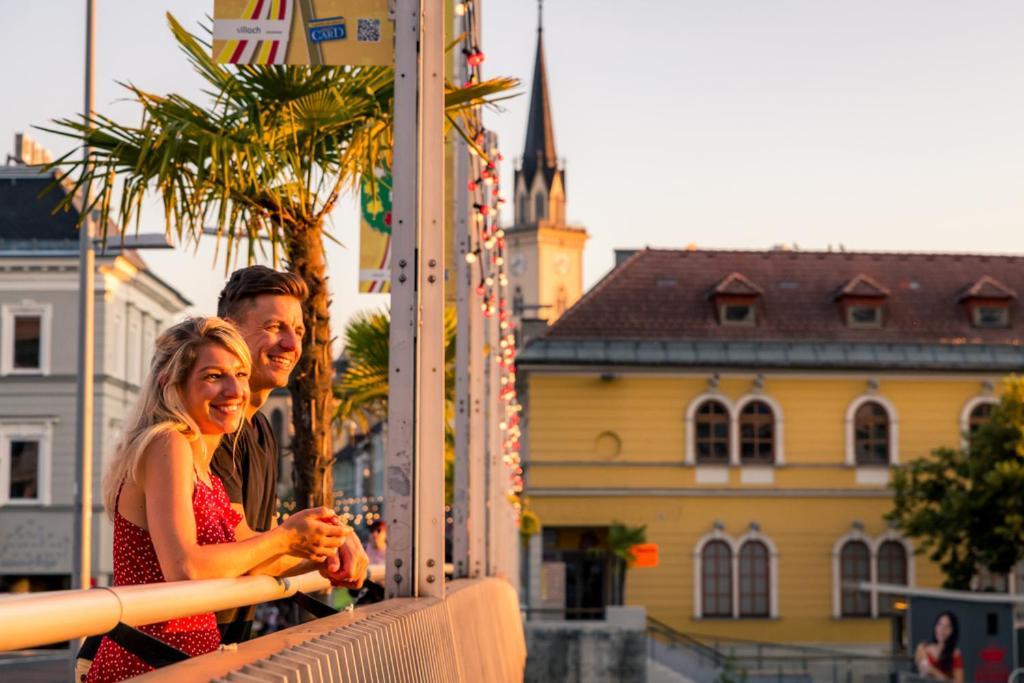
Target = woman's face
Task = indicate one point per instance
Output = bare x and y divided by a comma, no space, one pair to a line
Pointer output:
216,390
943,629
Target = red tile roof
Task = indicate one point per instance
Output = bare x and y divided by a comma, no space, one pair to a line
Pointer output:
663,294
863,286
988,288
735,284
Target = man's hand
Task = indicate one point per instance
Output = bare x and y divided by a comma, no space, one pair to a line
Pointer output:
316,534
347,568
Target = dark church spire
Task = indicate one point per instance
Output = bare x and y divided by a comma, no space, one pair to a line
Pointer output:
539,151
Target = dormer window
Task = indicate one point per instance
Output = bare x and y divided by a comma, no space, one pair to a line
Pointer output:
861,315
737,314
735,301
991,316
862,303
987,303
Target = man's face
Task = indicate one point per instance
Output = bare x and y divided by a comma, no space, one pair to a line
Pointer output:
272,327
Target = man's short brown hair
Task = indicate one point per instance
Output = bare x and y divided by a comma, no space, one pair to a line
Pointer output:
245,284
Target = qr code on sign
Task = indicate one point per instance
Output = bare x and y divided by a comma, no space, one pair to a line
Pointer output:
368,30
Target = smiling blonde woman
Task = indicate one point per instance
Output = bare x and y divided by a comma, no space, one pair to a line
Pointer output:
172,518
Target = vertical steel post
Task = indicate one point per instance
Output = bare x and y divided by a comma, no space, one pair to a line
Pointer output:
469,514
86,342
464,305
414,466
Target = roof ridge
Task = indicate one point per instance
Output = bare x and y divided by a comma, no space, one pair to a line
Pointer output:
823,252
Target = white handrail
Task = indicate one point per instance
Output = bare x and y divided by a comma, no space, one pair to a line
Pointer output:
34,619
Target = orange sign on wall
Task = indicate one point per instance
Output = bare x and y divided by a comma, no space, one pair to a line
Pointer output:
646,555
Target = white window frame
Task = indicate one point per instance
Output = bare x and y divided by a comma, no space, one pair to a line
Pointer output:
754,536
908,549
735,544
690,434
873,544
976,317
27,430
851,431
837,592
698,572
780,451
876,324
965,413
749,321
8,312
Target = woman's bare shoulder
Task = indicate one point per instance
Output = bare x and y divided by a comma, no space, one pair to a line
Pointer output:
167,451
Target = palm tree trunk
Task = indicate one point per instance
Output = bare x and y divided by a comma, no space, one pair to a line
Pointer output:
311,382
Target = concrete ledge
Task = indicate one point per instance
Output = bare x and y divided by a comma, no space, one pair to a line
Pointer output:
475,634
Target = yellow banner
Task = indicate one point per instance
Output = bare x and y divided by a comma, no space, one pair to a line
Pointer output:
329,32
375,234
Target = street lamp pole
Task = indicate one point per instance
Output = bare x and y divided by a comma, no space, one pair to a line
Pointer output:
86,329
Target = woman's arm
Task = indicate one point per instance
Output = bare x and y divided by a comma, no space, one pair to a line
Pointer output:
168,487
282,565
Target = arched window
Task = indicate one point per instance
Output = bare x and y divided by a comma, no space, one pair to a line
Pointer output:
711,433
892,568
716,580
980,416
754,580
561,301
757,433
524,205
517,301
854,567
871,434
540,207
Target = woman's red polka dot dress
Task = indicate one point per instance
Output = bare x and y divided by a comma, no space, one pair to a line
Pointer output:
135,562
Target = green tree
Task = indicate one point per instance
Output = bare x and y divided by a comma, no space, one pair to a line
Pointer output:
965,507
263,159
362,393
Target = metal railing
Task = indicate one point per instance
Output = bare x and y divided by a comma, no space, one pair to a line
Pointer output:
35,619
765,661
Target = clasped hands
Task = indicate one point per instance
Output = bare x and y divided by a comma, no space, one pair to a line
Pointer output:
319,535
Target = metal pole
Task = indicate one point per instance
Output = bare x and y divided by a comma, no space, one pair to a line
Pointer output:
414,464
86,326
469,496
464,305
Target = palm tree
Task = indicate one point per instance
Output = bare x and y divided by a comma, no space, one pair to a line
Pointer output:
618,549
263,160
362,394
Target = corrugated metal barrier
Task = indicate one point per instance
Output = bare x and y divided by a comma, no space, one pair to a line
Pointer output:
474,634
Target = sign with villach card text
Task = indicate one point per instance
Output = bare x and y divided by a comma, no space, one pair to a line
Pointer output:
300,32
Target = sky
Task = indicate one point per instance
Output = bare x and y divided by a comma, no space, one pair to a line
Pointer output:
873,124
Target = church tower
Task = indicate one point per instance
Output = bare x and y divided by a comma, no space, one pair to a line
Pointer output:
545,254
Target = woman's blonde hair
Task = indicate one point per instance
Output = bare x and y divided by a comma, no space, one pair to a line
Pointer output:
160,407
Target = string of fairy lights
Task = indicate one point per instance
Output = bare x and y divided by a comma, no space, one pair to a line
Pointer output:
487,255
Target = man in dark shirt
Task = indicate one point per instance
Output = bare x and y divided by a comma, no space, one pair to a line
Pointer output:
266,306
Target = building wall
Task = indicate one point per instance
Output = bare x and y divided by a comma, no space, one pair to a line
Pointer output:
615,449
131,310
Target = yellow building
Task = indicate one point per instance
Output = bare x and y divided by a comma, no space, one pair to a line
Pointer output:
749,409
